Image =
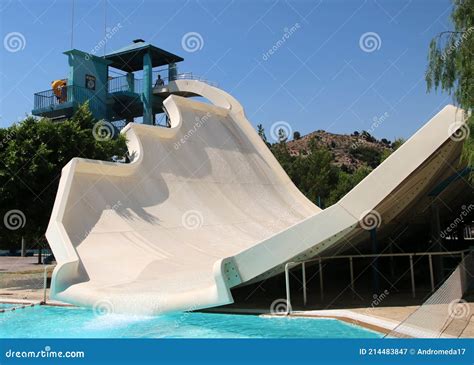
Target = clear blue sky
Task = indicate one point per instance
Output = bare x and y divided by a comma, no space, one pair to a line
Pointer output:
319,78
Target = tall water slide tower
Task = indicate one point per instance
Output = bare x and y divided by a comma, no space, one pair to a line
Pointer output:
136,89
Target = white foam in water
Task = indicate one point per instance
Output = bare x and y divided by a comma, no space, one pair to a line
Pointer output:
111,321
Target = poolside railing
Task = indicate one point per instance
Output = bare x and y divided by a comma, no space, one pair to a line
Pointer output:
319,261
444,313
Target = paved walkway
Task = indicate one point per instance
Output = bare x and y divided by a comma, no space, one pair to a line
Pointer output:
22,278
382,319
19,264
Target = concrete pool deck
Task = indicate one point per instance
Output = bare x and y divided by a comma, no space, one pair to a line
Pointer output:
382,319
22,278
10,264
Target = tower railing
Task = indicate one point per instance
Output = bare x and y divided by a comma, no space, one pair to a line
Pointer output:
56,98
181,76
48,98
66,95
124,84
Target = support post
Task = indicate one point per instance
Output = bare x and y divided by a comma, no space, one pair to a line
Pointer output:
436,239
321,279
23,247
392,262
131,82
351,266
147,89
287,285
172,72
412,274
45,283
40,256
375,264
303,274
430,260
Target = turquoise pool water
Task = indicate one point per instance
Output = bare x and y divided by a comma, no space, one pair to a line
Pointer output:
60,322
8,306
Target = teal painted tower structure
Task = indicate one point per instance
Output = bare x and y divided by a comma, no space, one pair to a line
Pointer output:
139,89
147,83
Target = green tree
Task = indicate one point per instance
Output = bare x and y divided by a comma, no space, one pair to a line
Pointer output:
319,175
395,145
32,154
371,156
313,174
261,132
345,182
282,135
281,153
451,66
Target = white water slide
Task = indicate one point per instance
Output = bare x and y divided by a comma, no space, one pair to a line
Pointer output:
204,207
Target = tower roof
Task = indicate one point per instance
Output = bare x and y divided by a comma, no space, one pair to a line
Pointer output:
130,58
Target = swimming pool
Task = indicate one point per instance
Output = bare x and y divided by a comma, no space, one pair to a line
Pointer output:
64,322
8,306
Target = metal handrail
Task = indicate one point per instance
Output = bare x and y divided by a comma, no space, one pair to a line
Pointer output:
291,264
121,83
80,95
385,255
45,282
191,76
180,76
48,98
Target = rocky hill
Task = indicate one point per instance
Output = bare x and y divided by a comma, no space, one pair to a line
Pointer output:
349,151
